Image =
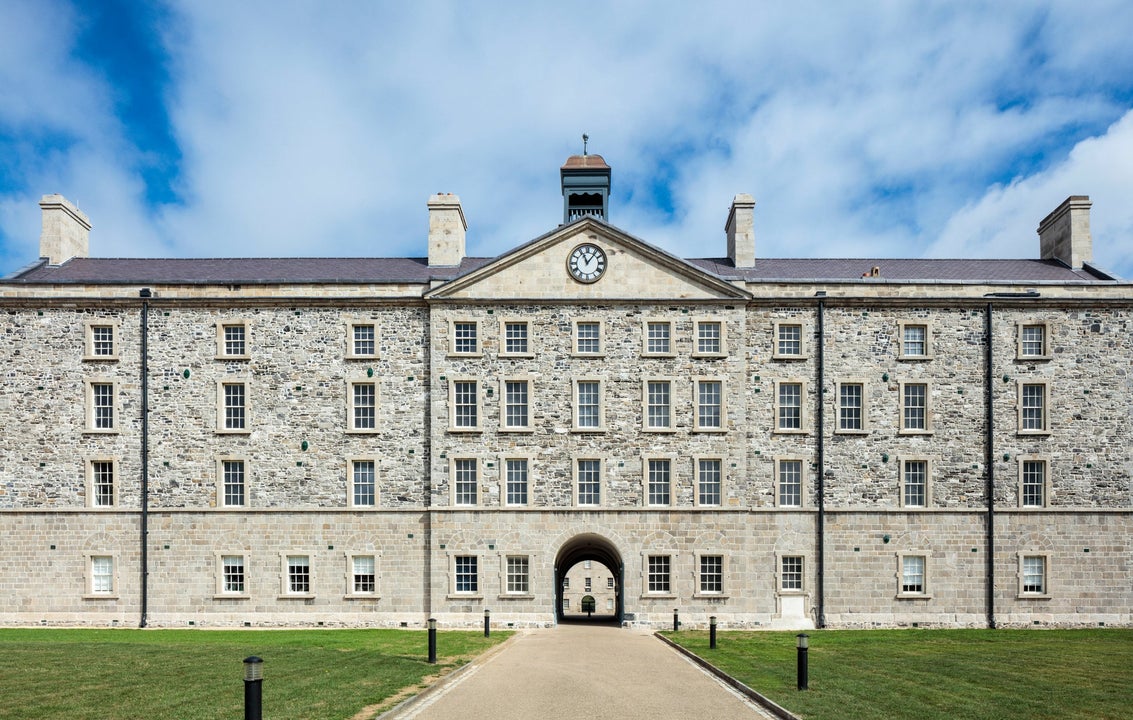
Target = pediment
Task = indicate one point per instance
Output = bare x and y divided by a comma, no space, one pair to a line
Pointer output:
635,270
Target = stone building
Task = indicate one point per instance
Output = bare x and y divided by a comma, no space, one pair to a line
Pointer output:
377,441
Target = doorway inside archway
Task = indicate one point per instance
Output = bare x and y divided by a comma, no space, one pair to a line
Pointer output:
588,580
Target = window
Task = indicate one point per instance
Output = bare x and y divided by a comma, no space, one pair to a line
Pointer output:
791,573
102,575
298,575
658,405
232,340
233,487
1033,575
709,405
566,603
712,574
362,340
588,415
102,406
516,479
851,403
363,406
790,482
465,337
658,481
914,408
610,583
789,406
464,399
788,341
464,481
566,583
658,337
1033,408
914,486
102,490
658,574
588,337
232,574
233,416
364,575
466,575
518,575
1032,482
363,483
515,410
709,338
913,575
916,341
1033,342
101,340
708,482
588,479
515,340
587,585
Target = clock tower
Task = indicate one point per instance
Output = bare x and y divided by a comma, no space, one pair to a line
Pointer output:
586,187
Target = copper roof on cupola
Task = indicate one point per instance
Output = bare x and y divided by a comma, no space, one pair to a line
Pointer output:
585,162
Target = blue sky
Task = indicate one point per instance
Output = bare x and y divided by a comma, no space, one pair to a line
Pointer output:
866,129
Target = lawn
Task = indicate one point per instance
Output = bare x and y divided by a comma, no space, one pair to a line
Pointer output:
935,674
190,674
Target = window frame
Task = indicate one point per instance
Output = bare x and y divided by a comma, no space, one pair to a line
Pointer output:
352,593
647,574
528,404
776,353
647,462
222,407
701,322
91,486
285,576
925,591
504,481
352,406
478,338
222,485
351,352
576,500
574,337
863,409
115,406
778,462
575,406
506,575
89,344
902,352
928,408
902,490
646,416
781,574
1021,592
91,593
1046,462
1020,328
699,558
528,337
646,337
478,405
1021,386
777,407
454,492
222,343
221,592
696,474
721,407
351,482
477,593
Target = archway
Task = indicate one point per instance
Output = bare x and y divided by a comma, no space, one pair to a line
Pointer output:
581,548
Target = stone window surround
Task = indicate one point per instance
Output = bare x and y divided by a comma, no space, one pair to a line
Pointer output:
672,460
477,467
350,385
804,419
452,426
929,462
220,346
478,594
928,408
1046,460
503,576
221,593
645,323
779,589
1046,326
601,404
88,463
452,323
865,428
349,575
503,460
1046,593
645,426
285,575
1020,384
353,322
350,461
88,339
220,407
803,346
926,323
671,594
601,337
504,322
697,322
696,479
116,408
88,576
530,426
696,428
219,464
778,460
602,494
725,562
926,591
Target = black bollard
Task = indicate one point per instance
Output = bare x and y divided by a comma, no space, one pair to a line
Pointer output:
801,665
432,641
487,622
676,620
712,632
253,688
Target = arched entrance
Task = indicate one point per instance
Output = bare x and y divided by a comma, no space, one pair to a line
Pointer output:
581,548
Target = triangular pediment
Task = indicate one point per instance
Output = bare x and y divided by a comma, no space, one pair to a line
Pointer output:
633,270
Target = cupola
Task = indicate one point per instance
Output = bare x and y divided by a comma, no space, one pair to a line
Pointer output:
586,186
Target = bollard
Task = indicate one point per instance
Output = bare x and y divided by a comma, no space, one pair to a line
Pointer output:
676,620
712,632
801,664
432,641
253,688
487,622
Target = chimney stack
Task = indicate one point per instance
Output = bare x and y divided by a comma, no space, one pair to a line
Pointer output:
66,230
1065,234
741,231
446,230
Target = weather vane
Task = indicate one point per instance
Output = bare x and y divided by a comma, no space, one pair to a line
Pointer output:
585,139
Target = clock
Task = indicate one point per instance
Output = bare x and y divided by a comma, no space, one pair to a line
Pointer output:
586,263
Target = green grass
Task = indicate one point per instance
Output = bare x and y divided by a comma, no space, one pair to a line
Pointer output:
935,674
190,674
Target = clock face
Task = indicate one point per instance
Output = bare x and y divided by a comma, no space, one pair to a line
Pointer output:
586,263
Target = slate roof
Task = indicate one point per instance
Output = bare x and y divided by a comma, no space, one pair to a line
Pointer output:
903,270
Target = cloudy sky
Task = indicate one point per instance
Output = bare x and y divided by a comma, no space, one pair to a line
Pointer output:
880,129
